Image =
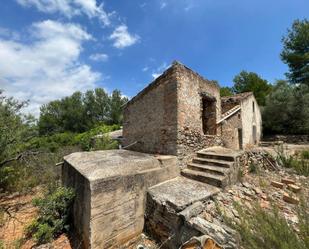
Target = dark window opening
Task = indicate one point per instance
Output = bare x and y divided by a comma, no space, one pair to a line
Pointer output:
240,138
254,134
253,106
209,116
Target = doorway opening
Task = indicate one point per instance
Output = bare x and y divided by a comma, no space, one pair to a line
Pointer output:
240,138
254,134
209,115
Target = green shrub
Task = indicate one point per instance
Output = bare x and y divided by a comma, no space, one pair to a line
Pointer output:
305,154
300,165
253,168
88,140
261,228
53,142
53,217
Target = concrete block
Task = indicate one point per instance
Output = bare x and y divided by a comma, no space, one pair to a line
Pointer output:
110,191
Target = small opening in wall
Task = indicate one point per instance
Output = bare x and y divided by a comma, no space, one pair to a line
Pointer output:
209,116
253,106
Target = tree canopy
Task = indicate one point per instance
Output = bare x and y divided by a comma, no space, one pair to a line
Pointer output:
295,52
252,82
226,91
15,129
81,112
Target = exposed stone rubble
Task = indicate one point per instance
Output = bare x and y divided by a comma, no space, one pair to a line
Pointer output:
259,188
173,214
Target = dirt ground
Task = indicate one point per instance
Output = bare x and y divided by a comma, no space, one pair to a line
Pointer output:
19,211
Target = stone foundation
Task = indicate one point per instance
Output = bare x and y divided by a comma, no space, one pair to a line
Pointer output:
191,141
110,191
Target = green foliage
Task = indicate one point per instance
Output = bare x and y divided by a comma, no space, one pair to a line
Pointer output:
253,168
295,52
226,91
300,165
81,112
252,82
261,228
15,128
89,140
305,154
53,217
286,109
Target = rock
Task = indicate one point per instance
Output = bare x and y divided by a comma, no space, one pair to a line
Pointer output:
225,237
277,184
294,188
246,184
257,190
287,181
290,199
192,210
264,204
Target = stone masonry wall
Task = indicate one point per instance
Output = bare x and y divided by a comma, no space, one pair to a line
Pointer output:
250,118
150,118
229,131
190,136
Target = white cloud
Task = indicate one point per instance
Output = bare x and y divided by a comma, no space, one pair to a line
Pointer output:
47,68
145,69
99,57
163,5
122,38
70,8
158,71
6,33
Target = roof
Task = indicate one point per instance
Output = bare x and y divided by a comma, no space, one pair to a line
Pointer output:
237,97
158,81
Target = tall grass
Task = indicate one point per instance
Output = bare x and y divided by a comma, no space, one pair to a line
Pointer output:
261,228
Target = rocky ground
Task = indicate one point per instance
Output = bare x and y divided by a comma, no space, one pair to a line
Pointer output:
265,186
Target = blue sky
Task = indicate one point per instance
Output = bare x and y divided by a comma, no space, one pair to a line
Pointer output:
51,48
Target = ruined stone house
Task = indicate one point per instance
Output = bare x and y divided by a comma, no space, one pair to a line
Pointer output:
181,112
173,122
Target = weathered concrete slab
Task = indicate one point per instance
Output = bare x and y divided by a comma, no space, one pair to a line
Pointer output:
182,192
171,205
111,193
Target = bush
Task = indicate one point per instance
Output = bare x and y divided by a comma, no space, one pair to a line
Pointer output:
300,165
259,228
305,154
88,140
53,217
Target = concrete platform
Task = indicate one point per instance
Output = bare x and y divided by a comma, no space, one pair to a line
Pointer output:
181,192
221,151
110,189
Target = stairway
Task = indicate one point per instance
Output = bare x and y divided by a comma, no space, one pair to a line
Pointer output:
213,166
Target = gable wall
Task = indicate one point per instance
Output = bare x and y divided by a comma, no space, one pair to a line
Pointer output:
189,119
250,118
150,119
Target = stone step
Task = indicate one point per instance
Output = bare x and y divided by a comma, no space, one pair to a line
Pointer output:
212,179
214,162
217,156
208,168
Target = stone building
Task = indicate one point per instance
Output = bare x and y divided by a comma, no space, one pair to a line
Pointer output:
181,112
241,122
175,114
121,193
